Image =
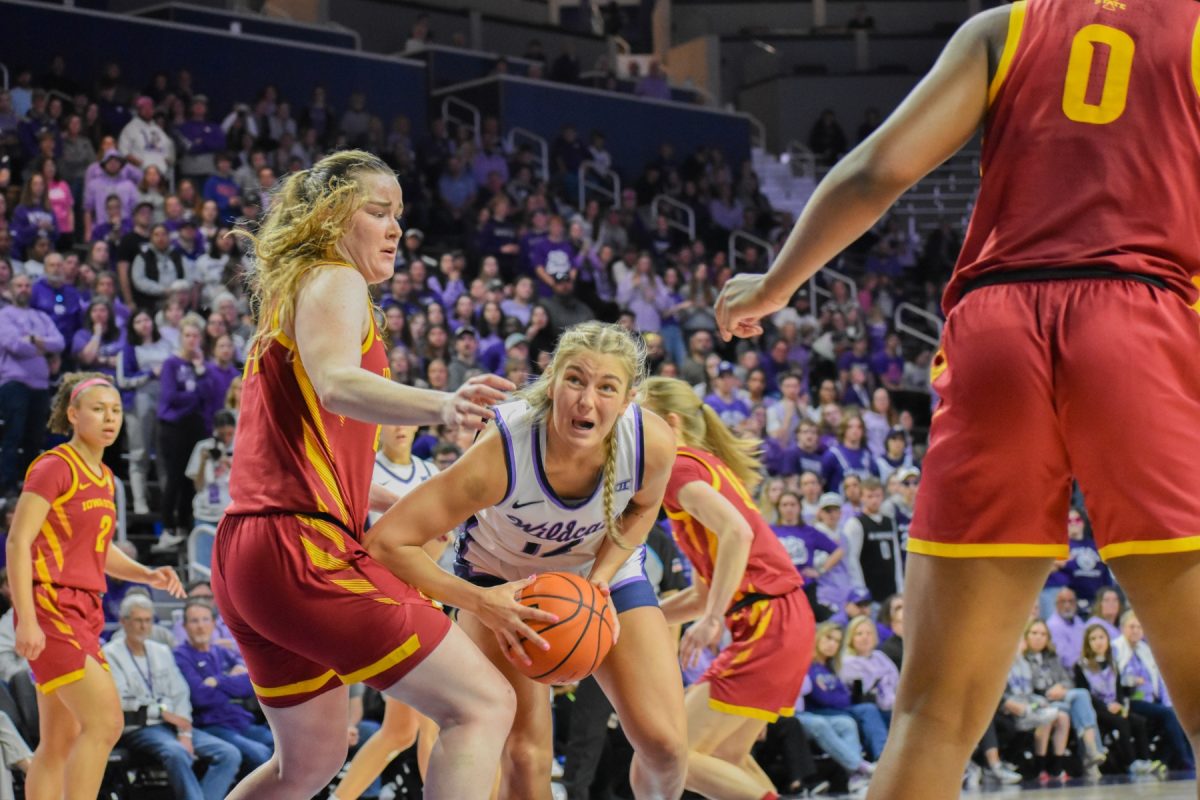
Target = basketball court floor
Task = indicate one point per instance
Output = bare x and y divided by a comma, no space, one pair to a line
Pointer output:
1181,788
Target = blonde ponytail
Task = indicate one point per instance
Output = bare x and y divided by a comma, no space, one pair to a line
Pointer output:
703,428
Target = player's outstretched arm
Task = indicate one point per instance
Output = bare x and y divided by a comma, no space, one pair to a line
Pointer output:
332,316
941,114
121,566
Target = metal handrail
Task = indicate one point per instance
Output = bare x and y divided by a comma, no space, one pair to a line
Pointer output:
762,244
543,148
614,194
688,227
816,291
917,333
452,102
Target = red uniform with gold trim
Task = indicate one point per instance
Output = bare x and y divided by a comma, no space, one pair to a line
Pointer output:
309,608
1090,161
68,562
761,672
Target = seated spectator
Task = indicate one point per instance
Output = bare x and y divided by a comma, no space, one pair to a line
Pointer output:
1032,712
848,455
33,216
1107,609
653,84
155,699
111,178
1051,680
1066,628
873,545
837,735
872,676
827,140
1097,672
829,696
99,345
891,617
1147,692
220,686
119,590
208,468
895,454
724,398
465,364
1085,570
113,226
812,552
202,589
54,296
11,663
810,495
223,190
901,505
564,309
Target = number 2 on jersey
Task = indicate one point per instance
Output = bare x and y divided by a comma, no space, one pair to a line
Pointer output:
106,525
1115,87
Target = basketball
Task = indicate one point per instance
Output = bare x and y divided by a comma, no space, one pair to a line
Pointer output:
580,639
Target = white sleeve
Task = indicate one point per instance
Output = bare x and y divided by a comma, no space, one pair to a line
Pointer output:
853,531
193,465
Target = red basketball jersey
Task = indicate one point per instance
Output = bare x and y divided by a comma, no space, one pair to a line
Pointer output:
1091,150
294,456
769,569
72,545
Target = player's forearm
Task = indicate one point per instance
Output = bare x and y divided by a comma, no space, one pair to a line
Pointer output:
684,606
851,198
833,560
411,564
124,568
354,392
733,553
20,577
381,498
635,527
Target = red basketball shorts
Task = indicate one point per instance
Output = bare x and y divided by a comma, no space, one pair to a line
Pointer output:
1039,383
759,675
72,620
312,611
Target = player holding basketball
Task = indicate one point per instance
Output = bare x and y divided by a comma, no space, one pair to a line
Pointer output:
747,583
1073,307
570,478
310,610
58,554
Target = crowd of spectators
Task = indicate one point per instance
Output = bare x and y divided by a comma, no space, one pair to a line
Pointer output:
116,255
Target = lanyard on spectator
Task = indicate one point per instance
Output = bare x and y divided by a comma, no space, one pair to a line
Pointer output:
147,676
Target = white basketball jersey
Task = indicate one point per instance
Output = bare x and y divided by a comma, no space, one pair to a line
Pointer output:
534,530
399,478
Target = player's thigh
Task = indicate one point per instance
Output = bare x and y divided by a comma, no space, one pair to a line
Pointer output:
311,736
708,730
1129,393
532,724
963,620
996,473
93,700
641,678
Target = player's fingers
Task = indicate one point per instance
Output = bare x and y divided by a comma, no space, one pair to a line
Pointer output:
531,635
486,395
495,382
513,650
535,614
472,416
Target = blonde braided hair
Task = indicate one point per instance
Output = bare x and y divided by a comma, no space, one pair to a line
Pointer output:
603,339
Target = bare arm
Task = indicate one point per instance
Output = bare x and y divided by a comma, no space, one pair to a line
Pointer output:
439,504
332,316
639,516
834,559
121,566
940,115
734,538
686,605
30,513
381,498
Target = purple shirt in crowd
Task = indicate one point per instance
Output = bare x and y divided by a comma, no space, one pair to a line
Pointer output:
20,359
213,705
878,674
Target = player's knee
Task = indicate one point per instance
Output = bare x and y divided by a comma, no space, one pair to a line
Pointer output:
662,751
500,707
528,758
314,770
104,728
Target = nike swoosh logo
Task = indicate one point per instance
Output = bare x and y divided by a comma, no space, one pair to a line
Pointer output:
522,505
83,486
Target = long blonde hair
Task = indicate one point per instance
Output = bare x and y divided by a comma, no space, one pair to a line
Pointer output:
703,429
602,339
309,215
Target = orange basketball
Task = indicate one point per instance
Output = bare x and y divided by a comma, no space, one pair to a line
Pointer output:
580,639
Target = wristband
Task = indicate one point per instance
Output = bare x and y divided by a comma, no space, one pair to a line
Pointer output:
185,734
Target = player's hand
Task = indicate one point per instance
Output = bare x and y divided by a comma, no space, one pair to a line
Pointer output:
704,633
742,305
469,405
165,578
603,588
352,735
31,639
499,609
